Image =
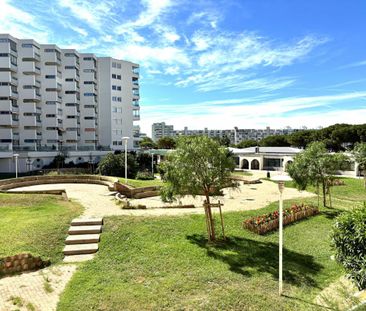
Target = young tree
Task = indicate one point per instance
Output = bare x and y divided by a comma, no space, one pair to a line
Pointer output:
166,143
147,143
316,166
198,166
359,153
247,143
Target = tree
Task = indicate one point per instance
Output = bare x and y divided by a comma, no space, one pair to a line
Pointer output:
114,165
166,143
275,141
247,143
147,143
316,166
349,242
301,138
198,166
359,153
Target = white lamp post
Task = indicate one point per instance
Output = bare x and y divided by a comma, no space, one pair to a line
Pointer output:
280,179
16,155
125,139
152,163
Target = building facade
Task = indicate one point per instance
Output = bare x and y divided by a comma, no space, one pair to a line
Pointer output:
54,100
235,135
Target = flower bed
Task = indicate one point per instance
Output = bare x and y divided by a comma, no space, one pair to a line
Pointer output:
269,222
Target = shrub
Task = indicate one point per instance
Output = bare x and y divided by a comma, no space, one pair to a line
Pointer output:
144,175
114,165
349,241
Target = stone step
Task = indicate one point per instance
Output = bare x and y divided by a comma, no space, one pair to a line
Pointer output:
78,258
82,239
87,221
78,249
75,230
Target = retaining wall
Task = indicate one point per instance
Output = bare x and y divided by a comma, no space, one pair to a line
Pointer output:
11,183
136,193
21,263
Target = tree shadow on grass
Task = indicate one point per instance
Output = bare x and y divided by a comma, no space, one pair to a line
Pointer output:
331,213
251,257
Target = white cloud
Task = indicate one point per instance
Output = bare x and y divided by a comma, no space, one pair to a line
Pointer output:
93,13
20,23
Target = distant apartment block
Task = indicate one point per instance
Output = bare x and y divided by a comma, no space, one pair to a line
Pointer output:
54,99
235,135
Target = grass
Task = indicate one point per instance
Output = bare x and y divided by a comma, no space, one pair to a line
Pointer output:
36,224
166,264
353,190
136,183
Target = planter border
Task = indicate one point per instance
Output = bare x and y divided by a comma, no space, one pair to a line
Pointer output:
289,217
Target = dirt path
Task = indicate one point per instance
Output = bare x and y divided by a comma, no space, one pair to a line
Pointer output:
38,290
98,201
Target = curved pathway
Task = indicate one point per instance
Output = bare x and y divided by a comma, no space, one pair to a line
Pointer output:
99,201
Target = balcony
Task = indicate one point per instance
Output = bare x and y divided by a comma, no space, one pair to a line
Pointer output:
30,54
7,63
30,68
31,95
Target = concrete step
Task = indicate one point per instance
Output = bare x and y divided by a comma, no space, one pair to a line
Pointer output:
87,221
78,249
78,258
82,239
76,230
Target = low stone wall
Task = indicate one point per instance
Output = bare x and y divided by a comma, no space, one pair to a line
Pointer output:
21,263
11,183
61,192
136,193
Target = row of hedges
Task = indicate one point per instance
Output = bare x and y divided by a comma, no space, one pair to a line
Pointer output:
269,222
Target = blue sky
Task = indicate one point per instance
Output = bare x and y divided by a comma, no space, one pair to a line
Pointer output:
219,64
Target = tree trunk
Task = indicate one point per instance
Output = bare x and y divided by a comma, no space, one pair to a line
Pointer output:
324,193
364,178
210,222
330,196
318,193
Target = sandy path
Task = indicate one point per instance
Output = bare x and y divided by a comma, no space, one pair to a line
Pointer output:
98,201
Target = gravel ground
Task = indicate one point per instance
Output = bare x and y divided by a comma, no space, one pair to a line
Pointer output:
99,201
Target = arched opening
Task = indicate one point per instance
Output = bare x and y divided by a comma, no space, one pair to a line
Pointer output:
245,164
287,165
254,165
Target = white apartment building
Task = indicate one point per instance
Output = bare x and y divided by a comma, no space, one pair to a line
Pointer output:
235,135
54,100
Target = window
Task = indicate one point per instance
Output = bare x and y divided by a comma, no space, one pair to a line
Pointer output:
88,70
72,129
50,77
30,140
114,76
51,128
119,99
119,66
89,106
87,58
70,67
71,104
114,65
70,55
89,94
114,98
50,116
71,117
71,92
119,77
49,50
4,83
116,88
27,45
51,103
89,118
88,82
5,112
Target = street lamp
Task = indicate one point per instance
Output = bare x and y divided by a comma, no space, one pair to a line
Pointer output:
125,139
280,179
16,155
152,163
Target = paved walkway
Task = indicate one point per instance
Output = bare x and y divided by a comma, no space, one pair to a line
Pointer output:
99,201
38,290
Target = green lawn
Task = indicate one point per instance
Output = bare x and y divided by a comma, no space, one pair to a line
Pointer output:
136,183
35,223
353,190
165,264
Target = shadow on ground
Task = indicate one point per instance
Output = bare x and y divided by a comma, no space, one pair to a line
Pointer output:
250,257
